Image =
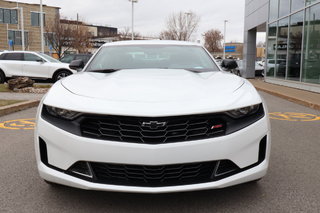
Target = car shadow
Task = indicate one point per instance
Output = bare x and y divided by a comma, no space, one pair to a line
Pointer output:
227,198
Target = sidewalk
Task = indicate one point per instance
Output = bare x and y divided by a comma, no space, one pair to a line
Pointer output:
306,98
20,96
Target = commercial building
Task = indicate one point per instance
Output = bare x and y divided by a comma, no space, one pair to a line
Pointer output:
17,17
293,41
98,34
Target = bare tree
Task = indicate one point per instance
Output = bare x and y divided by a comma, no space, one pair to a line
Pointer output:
81,39
59,36
125,34
180,26
212,39
261,44
63,35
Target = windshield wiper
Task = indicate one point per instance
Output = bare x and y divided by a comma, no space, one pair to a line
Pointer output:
104,70
198,70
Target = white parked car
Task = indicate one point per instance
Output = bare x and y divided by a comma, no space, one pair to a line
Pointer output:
152,117
259,68
32,64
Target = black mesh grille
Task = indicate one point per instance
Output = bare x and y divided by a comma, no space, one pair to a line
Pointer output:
153,130
153,176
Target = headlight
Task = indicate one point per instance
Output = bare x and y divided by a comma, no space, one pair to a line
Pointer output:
61,113
239,113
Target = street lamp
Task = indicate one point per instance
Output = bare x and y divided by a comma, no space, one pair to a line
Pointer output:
41,27
187,25
132,26
224,39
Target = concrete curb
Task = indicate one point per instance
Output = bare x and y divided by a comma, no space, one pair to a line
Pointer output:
5,110
290,98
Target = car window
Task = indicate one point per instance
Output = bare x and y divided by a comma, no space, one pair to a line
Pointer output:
2,56
49,58
13,56
31,57
84,58
153,56
67,59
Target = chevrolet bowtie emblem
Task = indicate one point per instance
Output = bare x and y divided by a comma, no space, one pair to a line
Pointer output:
154,124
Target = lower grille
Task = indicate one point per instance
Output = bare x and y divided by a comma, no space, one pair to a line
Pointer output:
157,176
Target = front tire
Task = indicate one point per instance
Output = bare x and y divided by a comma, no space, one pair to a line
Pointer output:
61,74
2,77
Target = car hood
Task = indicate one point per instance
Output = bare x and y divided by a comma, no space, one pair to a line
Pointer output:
152,85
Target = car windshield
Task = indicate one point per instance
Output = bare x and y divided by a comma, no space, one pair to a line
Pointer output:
49,58
193,58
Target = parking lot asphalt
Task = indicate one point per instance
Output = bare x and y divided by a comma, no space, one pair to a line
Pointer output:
291,185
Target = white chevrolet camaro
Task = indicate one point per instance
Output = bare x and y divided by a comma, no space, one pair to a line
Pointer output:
152,117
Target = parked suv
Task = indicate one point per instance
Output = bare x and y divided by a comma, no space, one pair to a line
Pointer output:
71,57
32,64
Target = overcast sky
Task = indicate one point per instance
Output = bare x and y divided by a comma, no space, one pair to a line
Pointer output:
150,15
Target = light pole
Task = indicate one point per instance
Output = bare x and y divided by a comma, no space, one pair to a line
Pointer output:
132,24
187,25
41,27
224,39
22,25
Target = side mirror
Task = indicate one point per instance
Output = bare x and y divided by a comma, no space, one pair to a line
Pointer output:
76,64
40,60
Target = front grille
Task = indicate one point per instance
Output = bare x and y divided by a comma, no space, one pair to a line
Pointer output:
153,130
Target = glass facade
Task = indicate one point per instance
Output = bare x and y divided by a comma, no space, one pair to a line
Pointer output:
293,40
284,8
296,5
294,53
282,46
308,2
274,9
272,43
311,52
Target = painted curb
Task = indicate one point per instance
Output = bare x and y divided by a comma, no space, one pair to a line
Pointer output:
5,110
290,98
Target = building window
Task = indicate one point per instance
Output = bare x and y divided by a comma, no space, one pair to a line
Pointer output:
284,8
282,47
14,17
8,16
296,5
274,9
272,43
48,38
311,52
16,37
295,38
1,15
35,19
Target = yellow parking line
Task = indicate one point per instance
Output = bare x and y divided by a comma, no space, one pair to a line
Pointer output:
18,124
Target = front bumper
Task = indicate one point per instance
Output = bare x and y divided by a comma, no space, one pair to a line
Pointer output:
64,149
